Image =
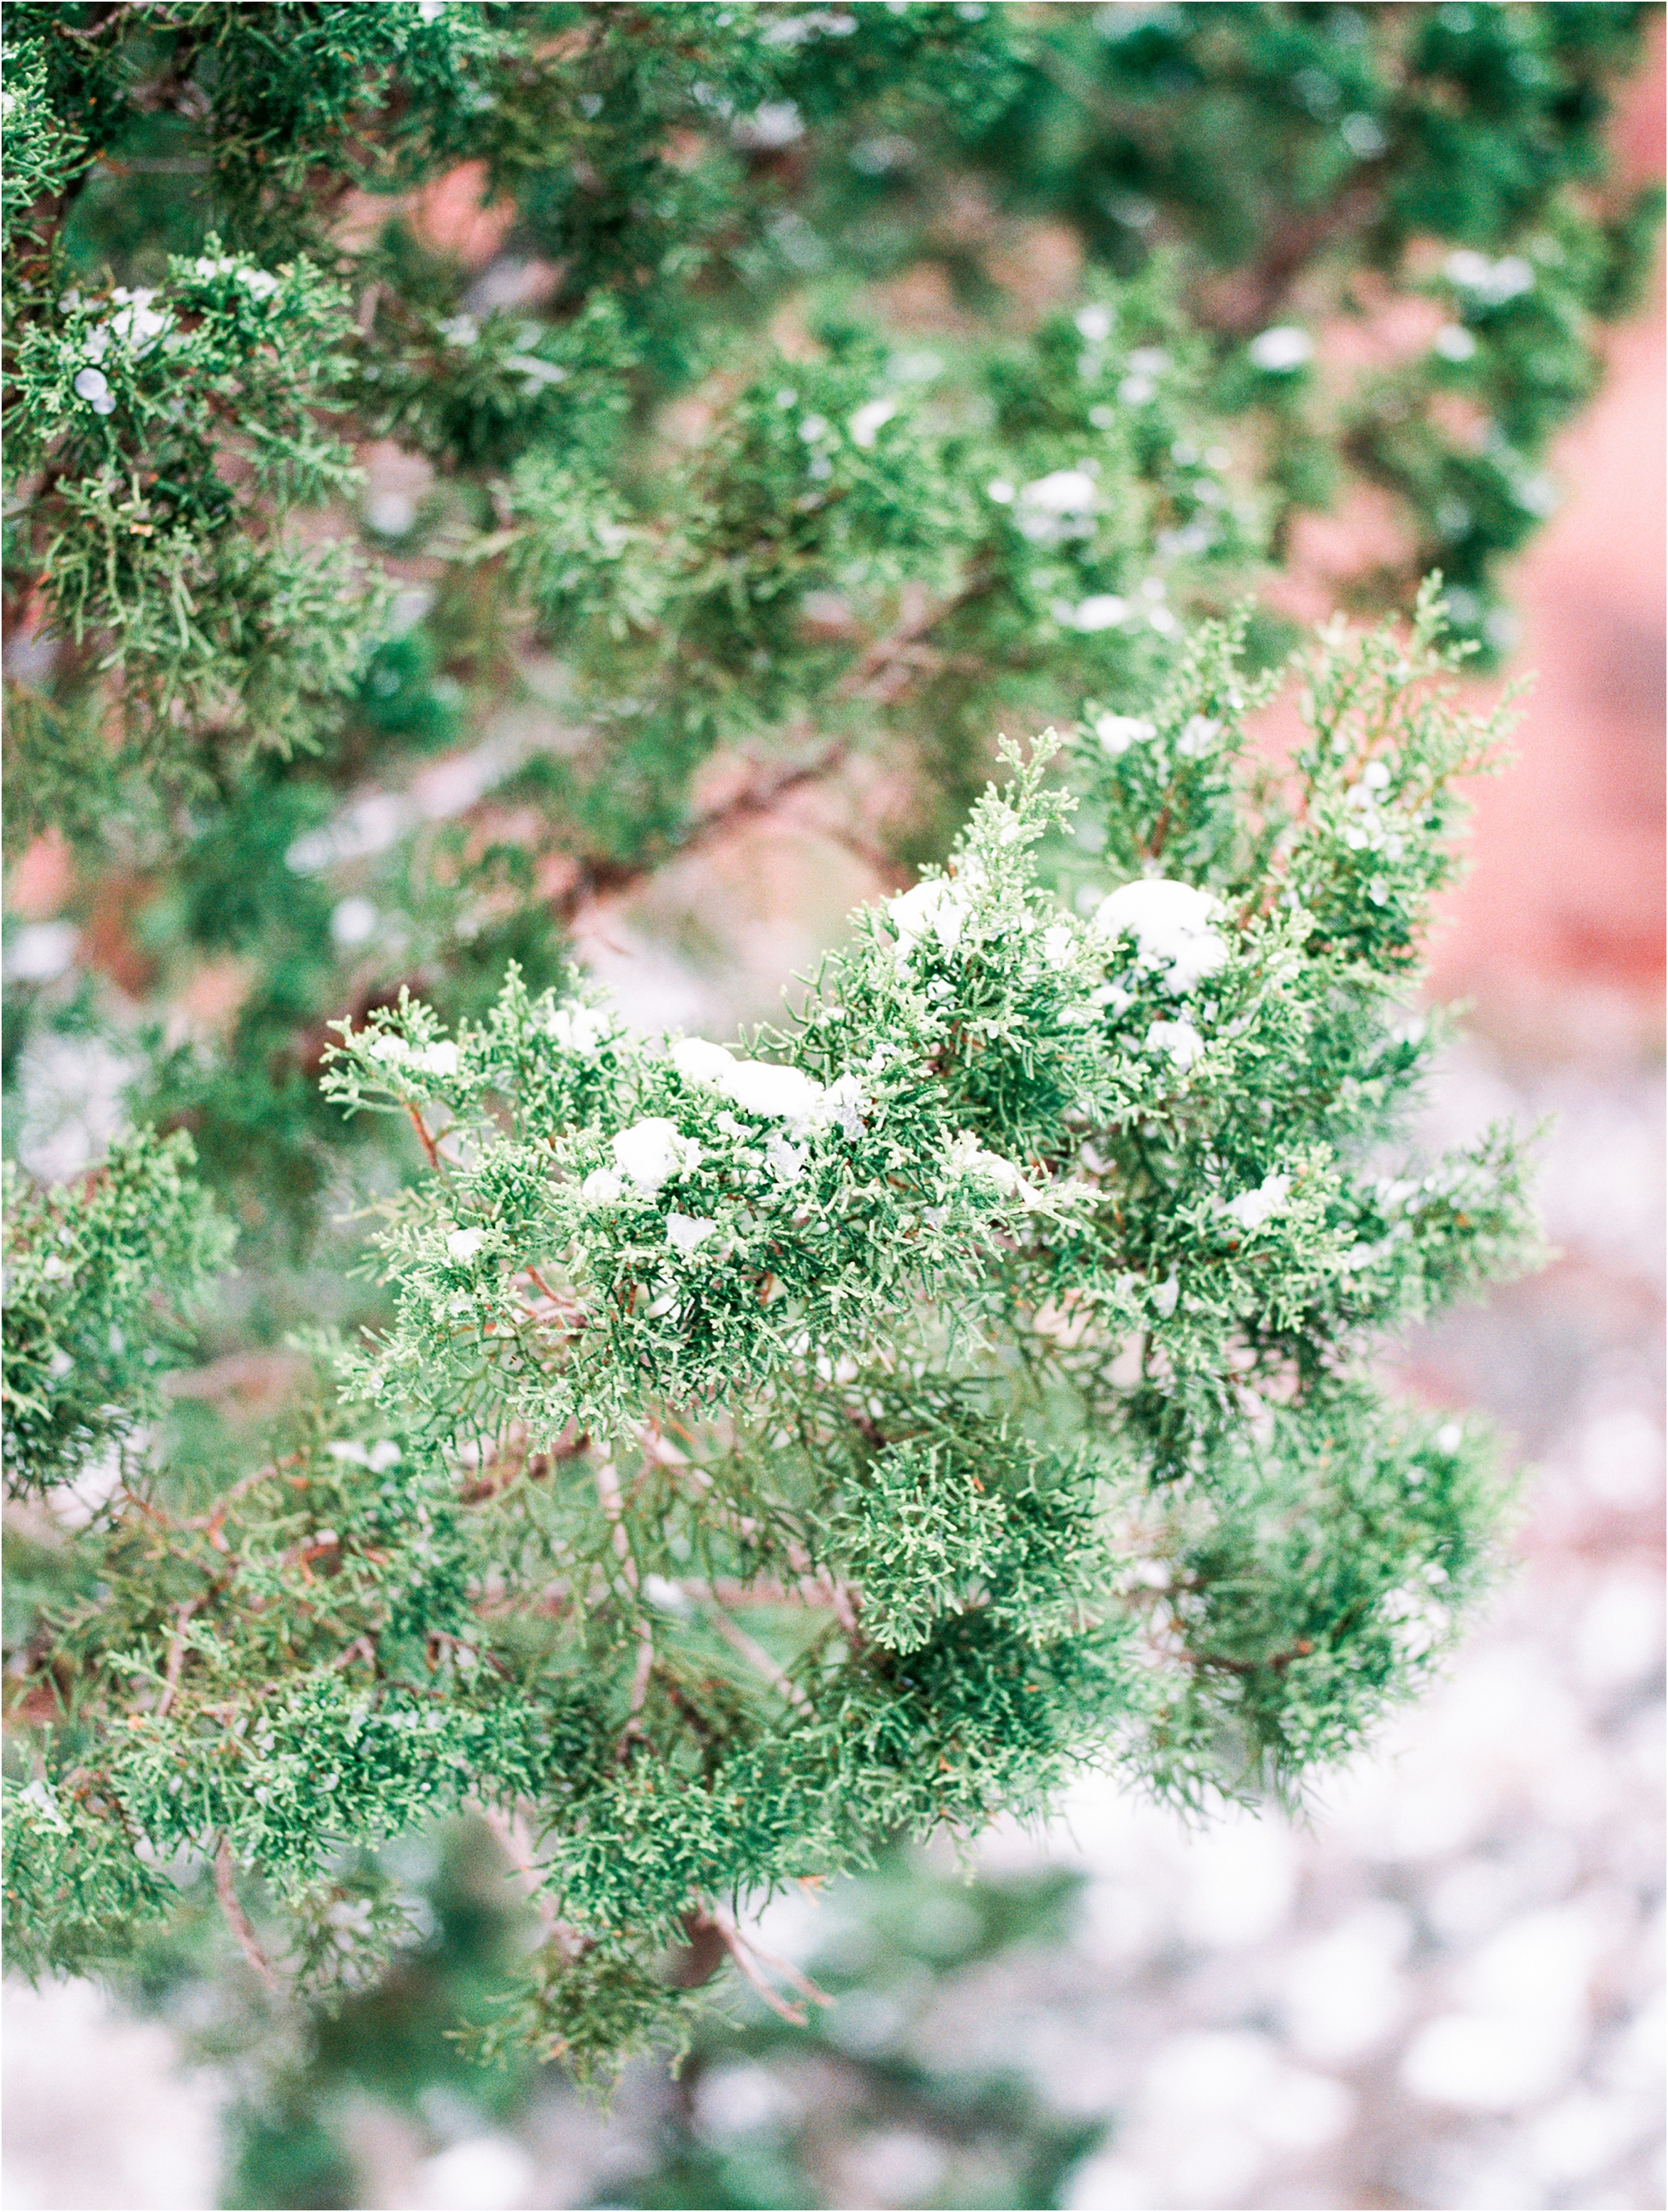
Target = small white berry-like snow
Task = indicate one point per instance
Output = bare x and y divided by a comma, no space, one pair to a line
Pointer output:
1253,1208
1100,610
1064,491
844,1103
650,1152
1174,925
1179,1039
937,907
698,1061
137,323
685,1231
577,1029
758,1086
1453,341
664,1596
1279,351
784,1160
1117,733
1496,282
865,425
1197,737
967,1157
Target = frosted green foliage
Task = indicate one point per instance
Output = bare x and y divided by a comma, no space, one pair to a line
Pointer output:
43,151
948,1521
851,1432
589,2008
272,102
178,423
267,1715
99,1275
1331,1573
1021,511
682,172
631,1218
1302,149
752,1455
665,125
1009,526
76,1892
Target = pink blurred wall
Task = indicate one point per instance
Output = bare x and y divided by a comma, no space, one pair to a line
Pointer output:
1557,936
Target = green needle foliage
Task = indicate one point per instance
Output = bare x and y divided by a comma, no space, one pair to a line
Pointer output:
770,1454
90,1269
686,478
709,1465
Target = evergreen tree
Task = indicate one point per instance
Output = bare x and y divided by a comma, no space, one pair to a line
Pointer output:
744,1455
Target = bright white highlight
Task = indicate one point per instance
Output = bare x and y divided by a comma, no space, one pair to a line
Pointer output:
651,1152
1174,925
1279,351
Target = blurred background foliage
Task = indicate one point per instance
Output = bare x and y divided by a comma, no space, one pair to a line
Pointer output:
762,2111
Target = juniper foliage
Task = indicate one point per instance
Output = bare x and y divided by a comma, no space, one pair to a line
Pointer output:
685,478
770,1453
741,1457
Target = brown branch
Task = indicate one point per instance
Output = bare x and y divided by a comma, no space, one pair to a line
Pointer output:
744,1950
1252,296
237,1919
176,1657
426,1140
240,1488
361,1647
598,878
569,1311
758,1658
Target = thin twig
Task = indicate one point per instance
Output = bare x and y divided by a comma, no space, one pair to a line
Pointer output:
613,1507
569,1308
801,1982
779,2005
757,1656
176,1657
427,1141
645,1668
516,1844
237,1919
742,1950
